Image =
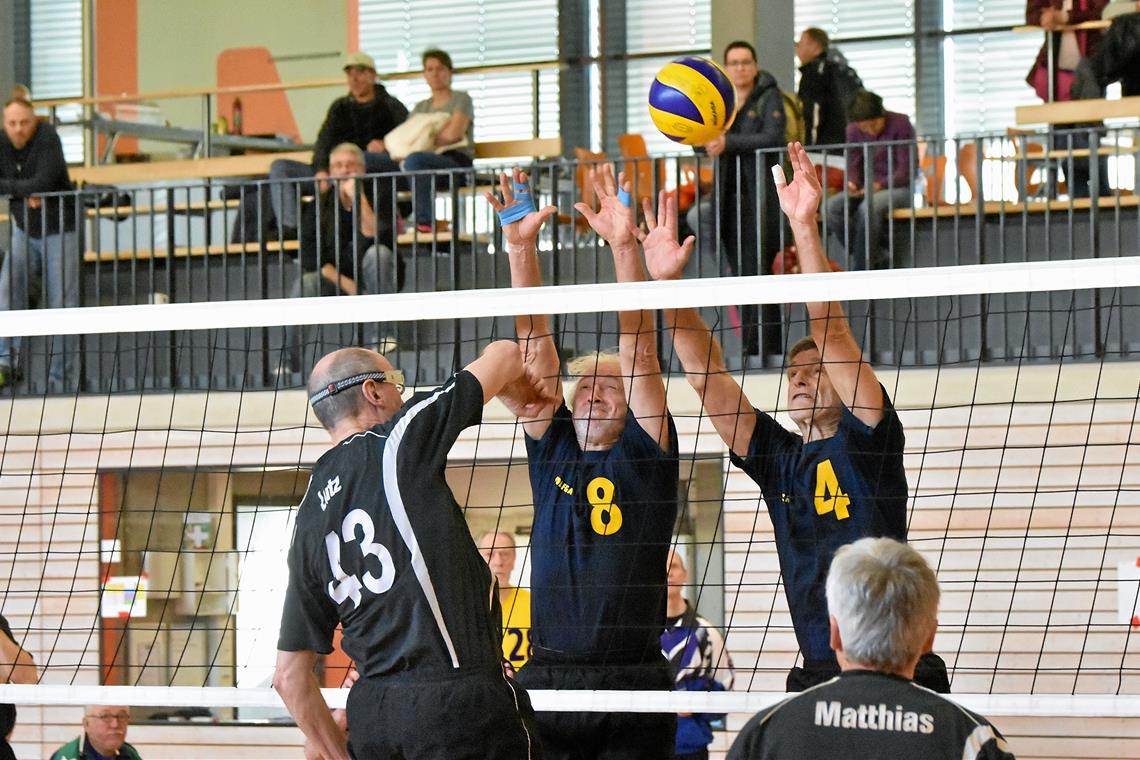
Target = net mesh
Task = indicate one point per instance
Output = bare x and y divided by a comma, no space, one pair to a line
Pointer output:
145,528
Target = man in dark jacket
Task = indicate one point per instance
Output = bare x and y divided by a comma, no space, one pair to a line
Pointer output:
44,243
361,117
1116,58
759,123
826,87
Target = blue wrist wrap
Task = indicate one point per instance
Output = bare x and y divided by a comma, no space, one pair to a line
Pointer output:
523,205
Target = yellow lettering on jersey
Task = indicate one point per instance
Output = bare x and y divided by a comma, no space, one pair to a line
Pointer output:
605,517
562,484
829,495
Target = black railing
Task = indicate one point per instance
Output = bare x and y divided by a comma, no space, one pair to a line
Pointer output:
988,199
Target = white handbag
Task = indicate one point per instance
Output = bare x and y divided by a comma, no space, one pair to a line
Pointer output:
416,134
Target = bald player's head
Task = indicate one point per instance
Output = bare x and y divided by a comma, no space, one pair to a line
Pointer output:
498,550
361,406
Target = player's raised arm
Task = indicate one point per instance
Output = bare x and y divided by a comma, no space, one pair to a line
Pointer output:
852,377
502,372
701,356
521,222
640,365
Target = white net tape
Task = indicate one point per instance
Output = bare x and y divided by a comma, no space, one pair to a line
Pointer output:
923,282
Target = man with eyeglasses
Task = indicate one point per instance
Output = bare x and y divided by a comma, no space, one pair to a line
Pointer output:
104,736
381,548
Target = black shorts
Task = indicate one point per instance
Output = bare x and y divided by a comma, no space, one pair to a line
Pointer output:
482,716
930,672
600,735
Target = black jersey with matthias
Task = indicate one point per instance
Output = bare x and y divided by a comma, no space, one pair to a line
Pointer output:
822,495
603,521
864,714
381,546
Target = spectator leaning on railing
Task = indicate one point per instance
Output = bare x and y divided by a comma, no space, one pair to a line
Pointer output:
867,210
44,242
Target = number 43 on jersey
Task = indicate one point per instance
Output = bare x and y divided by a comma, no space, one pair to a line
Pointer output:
344,586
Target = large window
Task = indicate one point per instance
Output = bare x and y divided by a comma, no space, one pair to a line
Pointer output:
985,70
886,63
474,33
656,26
57,62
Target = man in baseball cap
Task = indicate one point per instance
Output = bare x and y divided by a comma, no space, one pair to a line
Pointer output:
361,117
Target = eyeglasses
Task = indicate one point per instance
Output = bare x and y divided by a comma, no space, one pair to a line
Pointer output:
393,376
111,717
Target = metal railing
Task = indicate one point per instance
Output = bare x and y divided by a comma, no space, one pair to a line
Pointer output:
992,198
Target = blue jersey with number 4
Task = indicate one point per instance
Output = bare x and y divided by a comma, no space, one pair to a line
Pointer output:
603,522
824,494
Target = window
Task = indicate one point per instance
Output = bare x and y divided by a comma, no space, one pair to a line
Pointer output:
847,19
886,64
985,80
57,67
654,26
474,33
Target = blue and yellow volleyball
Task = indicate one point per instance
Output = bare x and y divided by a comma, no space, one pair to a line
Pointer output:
691,100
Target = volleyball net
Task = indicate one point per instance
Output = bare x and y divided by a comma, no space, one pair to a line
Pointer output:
145,527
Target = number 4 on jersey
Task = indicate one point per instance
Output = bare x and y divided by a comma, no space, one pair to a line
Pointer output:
829,496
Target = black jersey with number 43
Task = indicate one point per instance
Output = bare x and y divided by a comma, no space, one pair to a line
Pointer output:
381,546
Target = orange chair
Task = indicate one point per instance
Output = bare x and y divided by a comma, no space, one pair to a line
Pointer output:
585,160
639,167
968,166
934,172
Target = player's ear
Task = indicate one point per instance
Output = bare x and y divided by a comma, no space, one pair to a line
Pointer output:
836,640
373,394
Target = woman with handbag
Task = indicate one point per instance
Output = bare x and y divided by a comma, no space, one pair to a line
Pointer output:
453,143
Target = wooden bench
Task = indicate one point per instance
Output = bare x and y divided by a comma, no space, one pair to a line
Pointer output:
1075,111
251,165
189,251
994,208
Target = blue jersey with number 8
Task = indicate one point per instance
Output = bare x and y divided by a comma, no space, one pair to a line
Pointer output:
603,522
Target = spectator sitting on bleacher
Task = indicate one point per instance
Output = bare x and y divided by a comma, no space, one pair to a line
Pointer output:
44,242
457,134
867,210
345,235
362,118
1116,58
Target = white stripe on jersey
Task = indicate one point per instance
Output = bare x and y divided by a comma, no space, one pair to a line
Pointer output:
400,516
978,739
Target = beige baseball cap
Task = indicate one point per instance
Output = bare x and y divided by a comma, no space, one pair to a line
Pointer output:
359,58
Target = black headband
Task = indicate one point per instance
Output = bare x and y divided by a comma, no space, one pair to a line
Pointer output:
337,386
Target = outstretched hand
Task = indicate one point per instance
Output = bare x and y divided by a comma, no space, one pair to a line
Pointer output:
800,198
613,221
532,394
664,257
523,232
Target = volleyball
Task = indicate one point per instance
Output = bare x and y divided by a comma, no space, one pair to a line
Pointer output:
691,100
